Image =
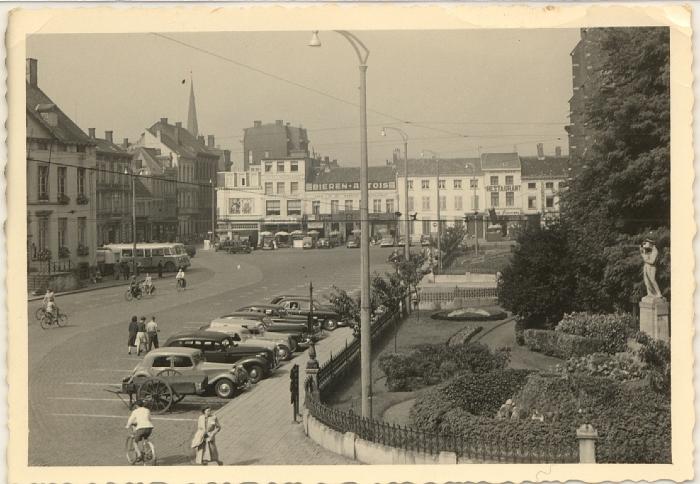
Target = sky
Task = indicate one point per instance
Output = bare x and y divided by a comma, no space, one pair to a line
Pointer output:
453,92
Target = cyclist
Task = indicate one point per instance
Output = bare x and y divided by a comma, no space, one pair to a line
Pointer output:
180,278
134,287
50,303
140,419
148,284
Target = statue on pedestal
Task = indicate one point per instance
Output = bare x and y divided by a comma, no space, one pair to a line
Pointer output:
650,254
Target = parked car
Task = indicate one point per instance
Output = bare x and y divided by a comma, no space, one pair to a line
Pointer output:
301,305
216,347
308,243
239,247
223,378
387,242
323,243
223,245
284,336
276,320
253,335
191,250
352,242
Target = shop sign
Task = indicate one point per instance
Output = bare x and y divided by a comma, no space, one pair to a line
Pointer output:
502,188
332,187
315,225
239,206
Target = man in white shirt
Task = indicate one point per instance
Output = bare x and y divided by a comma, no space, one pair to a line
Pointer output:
140,418
180,278
152,333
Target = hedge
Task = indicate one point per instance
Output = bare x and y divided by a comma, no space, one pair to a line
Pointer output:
560,344
613,329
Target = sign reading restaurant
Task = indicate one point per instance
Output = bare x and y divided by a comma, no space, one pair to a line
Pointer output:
332,187
502,188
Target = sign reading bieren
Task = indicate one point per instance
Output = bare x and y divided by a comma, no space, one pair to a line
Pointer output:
328,187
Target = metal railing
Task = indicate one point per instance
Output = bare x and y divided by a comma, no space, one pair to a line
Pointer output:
429,294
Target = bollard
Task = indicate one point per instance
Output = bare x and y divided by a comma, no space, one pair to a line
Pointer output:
586,436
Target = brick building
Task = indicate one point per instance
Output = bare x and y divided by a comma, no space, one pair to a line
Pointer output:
273,141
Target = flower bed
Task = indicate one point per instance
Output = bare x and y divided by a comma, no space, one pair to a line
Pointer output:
561,345
613,329
471,314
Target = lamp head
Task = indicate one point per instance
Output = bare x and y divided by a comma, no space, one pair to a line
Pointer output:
383,132
315,41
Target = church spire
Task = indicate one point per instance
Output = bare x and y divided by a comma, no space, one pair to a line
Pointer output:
192,112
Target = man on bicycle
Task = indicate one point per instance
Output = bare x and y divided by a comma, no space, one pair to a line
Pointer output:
49,303
148,283
140,419
134,287
180,278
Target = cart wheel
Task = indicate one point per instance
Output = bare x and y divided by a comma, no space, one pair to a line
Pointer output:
170,372
156,394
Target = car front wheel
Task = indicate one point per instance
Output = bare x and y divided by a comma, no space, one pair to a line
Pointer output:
329,325
255,372
224,388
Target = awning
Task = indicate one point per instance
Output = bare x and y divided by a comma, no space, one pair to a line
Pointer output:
265,233
281,233
314,232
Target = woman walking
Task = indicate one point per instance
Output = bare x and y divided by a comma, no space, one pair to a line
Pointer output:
141,340
204,438
133,330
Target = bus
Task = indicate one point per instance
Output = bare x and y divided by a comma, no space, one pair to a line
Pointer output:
171,255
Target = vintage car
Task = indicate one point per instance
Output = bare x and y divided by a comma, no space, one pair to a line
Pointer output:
353,242
261,325
239,247
386,242
301,306
323,243
285,343
223,378
216,347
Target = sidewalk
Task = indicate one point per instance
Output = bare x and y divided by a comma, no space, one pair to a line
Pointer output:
257,427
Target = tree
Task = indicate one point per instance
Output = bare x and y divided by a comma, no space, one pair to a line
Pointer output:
538,285
450,242
410,271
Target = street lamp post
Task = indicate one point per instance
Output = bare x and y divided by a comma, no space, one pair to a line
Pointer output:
439,225
133,218
473,182
407,231
213,213
365,332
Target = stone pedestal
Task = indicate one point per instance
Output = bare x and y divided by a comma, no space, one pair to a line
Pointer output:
653,317
587,437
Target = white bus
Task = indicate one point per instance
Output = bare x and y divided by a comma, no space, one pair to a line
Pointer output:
171,255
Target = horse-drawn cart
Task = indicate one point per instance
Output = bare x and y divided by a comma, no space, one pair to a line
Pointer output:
160,392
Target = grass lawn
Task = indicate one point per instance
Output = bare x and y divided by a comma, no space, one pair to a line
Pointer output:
416,329
490,260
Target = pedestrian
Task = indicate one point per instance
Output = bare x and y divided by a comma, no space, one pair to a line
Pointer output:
133,330
160,270
204,438
141,336
152,333
125,270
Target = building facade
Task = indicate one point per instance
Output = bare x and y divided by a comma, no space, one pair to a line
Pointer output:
61,186
273,141
543,180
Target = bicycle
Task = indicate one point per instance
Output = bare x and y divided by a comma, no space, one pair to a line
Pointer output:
181,284
148,451
129,295
49,319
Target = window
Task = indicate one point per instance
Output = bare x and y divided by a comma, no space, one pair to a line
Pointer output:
161,362
425,184
510,199
250,157
43,182
549,185
268,188
441,184
294,166
348,205
474,183
280,188
61,180
82,227
426,227
509,179
157,252
62,225
458,202
410,204
425,205
334,206
549,202
43,241
182,361
315,207
410,184
457,184
81,181
272,207
377,206
268,166
280,167
494,180
389,206
443,203
494,199
532,186
294,187
532,202
294,207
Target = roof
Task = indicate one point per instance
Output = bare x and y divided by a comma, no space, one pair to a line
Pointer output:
141,190
65,130
428,167
188,145
500,161
199,333
104,146
173,350
352,174
549,167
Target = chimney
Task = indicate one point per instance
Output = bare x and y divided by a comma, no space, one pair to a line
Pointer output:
540,151
201,140
91,132
279,122
257,124
32,72
178,126
125,144
210,141
163,120
557,151
108,136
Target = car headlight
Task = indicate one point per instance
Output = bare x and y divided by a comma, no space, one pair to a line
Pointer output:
262,355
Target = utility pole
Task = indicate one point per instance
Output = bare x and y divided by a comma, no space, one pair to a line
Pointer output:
133,219
213,213
439,227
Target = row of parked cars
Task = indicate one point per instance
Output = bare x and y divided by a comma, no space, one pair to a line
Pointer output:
243,346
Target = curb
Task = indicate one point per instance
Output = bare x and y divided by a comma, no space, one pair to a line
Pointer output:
502,323
89,289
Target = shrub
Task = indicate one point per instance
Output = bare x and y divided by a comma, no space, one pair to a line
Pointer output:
620,367
561,345
656,355
614,328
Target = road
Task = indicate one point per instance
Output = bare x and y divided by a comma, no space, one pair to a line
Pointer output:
74,421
